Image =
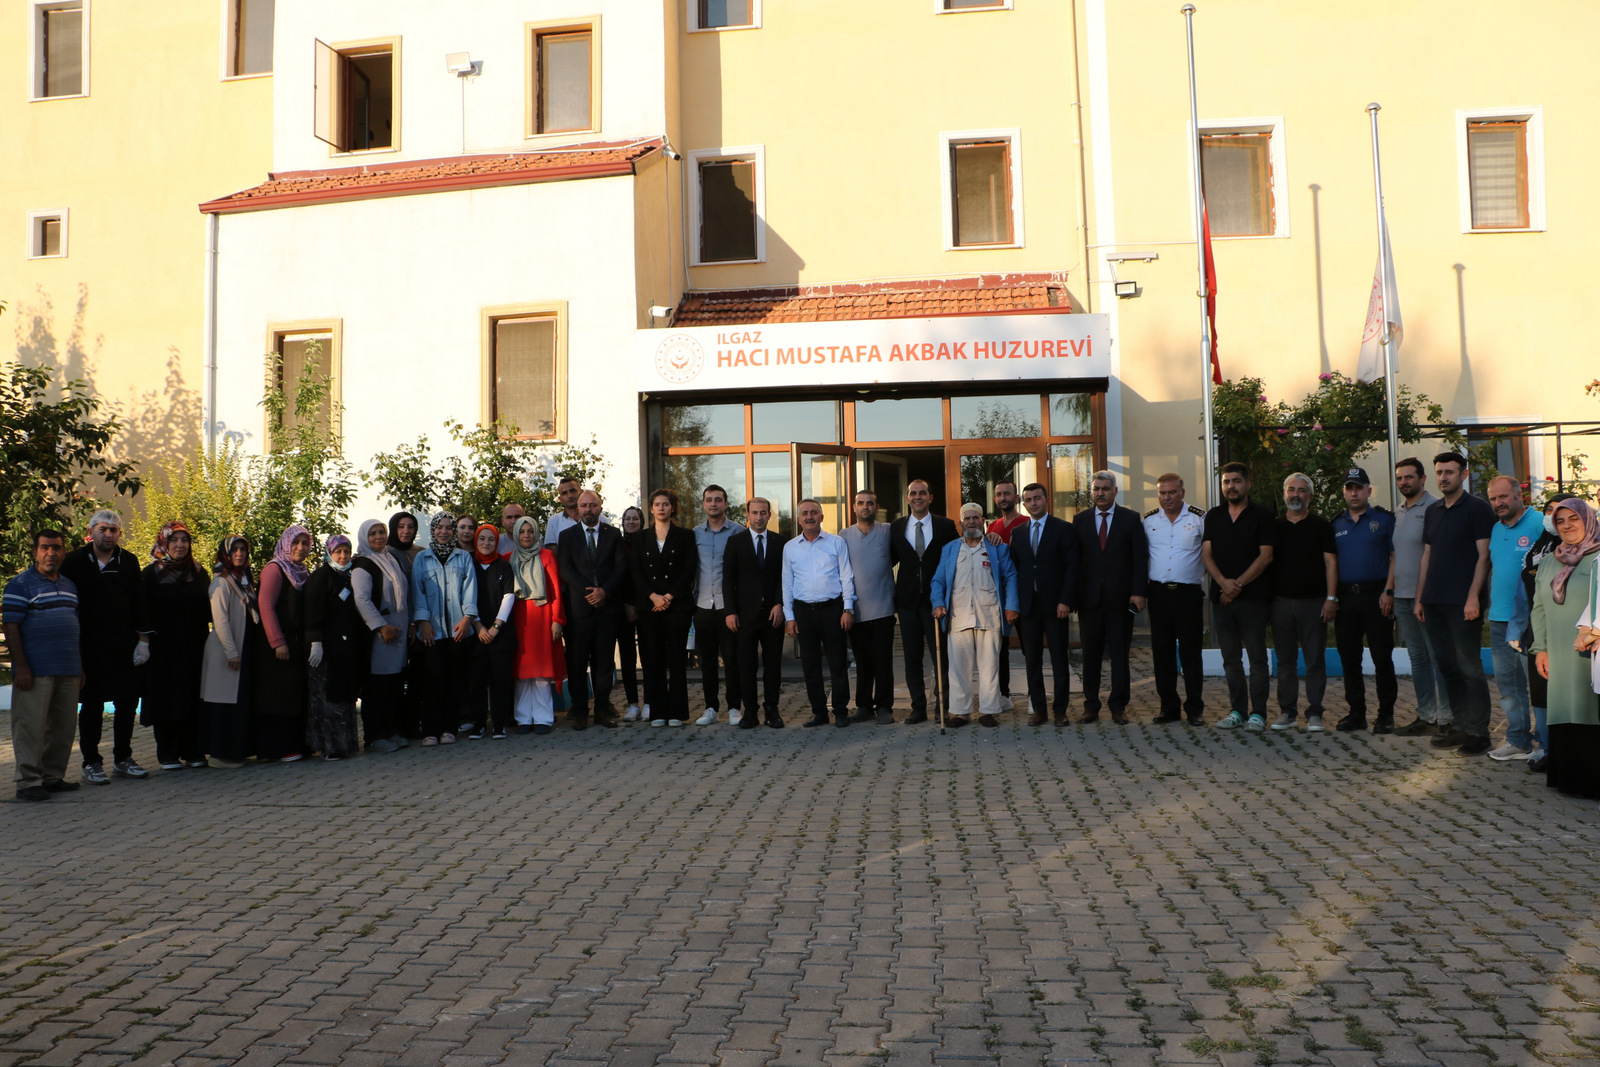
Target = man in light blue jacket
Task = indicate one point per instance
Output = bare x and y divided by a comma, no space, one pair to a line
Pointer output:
975,599
444,601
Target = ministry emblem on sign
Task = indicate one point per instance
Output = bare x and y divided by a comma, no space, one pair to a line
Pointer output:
679,359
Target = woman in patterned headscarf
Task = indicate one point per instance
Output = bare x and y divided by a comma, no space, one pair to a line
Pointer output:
1564,642
180,614
278,712
444,603
338,640
383,597
493,660
227,674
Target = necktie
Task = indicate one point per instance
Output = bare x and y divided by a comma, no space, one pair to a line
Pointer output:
761,551
595,555
1034,543
1104,515
921,542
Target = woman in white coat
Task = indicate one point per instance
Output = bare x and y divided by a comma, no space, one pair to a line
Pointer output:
383,597
225,669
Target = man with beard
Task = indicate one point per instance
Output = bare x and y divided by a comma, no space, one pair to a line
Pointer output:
975,588
1305,583
1240,537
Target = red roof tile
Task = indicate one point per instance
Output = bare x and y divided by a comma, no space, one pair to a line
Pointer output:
293,188
984,295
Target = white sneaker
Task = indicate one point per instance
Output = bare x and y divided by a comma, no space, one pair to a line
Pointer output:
657,722
735,716
1286,721
644,711
632,714
1233,721
674,722
1313,724
1508,751
708,718
1256,724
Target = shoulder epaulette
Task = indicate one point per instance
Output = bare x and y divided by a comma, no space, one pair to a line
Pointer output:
1151,512
1196,511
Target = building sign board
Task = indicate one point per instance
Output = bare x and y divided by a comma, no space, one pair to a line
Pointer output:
860,352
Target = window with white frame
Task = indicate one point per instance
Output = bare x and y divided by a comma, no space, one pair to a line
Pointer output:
1501,161
724,15
1242,168
47,234
983,189
250,37
60,49
727,208
564,77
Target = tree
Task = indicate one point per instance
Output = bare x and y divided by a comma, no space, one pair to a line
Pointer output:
497,469
212,492
1322,436
52,455
303,477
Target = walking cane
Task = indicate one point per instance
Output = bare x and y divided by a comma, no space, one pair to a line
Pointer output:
938,670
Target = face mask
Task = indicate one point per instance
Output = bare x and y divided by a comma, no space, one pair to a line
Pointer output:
1550,525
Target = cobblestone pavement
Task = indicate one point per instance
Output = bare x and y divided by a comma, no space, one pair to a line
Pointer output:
1127,895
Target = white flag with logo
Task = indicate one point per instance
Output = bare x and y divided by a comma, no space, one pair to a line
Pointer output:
1382,307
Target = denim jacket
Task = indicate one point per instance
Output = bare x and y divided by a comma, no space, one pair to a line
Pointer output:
1005,580
441,593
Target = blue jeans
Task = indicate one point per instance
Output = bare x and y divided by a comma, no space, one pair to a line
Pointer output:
1457,644
1511,678
1433,704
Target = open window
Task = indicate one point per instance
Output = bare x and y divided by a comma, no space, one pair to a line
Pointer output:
1242,168
727,209
250,37
61,49
724,15
356,103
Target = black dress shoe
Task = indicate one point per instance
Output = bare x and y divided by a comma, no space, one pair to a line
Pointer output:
916,717
1474,746
774,720
749,722
1453,739
1166,717
818,720
57,785
863,715
1351,723
885,717
841,719
1415,728
1383,725
33,792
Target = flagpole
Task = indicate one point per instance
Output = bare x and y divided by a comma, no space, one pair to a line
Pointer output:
1386,336
1209,441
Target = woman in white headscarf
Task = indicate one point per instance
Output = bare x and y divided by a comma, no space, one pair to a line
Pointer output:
338,638
383,597
539,618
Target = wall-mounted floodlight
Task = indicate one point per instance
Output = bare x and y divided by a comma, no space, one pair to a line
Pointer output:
461,64
1127,290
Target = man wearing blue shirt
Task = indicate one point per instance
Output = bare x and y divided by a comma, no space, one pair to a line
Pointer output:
711,633
1519,527
1363,537
819,600
40,617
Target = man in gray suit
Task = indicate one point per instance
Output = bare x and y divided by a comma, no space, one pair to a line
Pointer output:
872,637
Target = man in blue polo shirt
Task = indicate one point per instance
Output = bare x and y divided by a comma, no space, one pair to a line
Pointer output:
40,617
1363,536
1519,527
1450,588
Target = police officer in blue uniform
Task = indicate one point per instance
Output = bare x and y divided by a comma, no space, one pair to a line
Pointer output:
1363,537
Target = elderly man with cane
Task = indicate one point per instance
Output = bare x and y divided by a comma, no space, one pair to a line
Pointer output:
975,599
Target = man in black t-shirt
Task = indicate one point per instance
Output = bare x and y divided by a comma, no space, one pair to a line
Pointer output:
1237,551
1305,580
1450,600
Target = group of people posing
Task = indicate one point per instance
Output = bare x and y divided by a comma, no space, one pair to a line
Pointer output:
471,634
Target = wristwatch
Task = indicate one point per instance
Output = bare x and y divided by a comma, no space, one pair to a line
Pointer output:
1333,599
1388,592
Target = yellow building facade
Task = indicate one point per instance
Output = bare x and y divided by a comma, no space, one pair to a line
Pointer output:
851,112
118,118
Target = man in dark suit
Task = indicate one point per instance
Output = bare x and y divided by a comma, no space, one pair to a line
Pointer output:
752,583
1045,552
915,541
1113,568
593,569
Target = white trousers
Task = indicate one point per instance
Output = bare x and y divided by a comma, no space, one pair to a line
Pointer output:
974,653
535,703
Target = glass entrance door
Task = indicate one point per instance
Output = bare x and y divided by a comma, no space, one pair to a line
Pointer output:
976,468
824,474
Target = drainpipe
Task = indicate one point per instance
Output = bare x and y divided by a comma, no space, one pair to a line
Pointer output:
212,222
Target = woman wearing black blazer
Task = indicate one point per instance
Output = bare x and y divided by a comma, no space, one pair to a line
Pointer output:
665,563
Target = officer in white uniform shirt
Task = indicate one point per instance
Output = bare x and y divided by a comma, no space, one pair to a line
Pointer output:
1177,600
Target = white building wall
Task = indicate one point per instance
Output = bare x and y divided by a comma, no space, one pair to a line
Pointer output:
434,104
408,277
